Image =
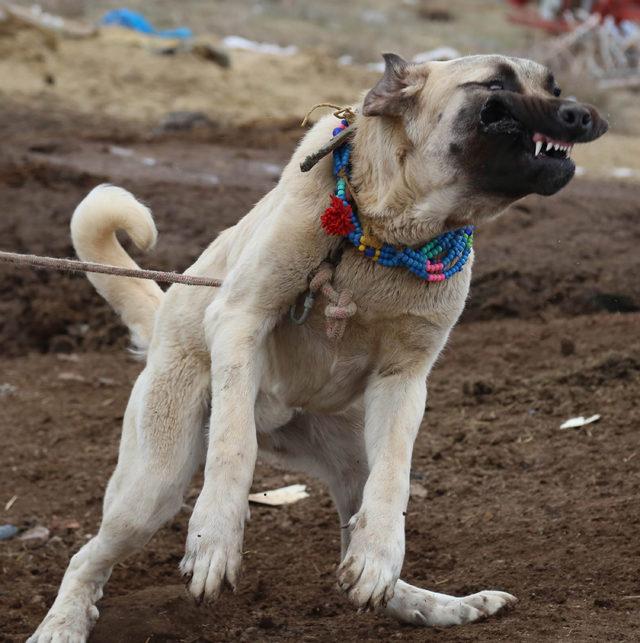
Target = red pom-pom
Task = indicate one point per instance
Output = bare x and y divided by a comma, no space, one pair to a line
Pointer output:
336,219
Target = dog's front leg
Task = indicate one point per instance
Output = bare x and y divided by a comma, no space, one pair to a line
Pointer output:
214,543
394,406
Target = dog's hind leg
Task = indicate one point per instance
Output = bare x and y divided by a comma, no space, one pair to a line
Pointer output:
161,446
332,449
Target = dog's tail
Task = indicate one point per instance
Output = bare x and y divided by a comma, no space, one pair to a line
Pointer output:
95,221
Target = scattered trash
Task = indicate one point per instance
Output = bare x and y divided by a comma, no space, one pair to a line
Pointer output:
7,389
622,172
7,532
10,503
597,47
281,496
417,490
238,42
125,152
35,536
577,422
439,53
135,21
66,376
47,23
116,150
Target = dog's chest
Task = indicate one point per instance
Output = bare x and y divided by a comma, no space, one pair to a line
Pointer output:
306,369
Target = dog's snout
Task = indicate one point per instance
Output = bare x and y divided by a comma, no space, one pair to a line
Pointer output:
576,117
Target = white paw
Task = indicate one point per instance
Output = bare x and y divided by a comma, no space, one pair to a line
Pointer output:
213,555
372,564
422,607
70,625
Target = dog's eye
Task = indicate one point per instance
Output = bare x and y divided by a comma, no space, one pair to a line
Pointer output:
495,85
557,91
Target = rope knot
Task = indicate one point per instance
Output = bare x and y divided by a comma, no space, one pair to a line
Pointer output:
341,305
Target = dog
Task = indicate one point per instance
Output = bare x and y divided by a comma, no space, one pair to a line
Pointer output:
435,147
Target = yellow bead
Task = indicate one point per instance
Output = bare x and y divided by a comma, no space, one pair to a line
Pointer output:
361,248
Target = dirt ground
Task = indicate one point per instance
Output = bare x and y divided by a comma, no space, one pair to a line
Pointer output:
503,498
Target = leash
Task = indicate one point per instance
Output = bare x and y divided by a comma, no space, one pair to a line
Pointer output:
73,265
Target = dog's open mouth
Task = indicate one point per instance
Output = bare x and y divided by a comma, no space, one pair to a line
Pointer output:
549,148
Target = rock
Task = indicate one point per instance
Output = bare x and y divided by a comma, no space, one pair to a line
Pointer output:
7,532
567,347
184,121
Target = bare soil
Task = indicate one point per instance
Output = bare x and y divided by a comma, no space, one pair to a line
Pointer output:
508,500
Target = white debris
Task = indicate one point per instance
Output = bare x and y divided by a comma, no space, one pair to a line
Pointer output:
379,67
622,172
439,53
238,42
35,536
67,376
282,496
116,150
345,60
580,171
7,389
577,422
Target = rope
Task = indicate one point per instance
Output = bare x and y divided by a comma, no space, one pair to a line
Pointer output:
341,112
341,306
72,265
338,311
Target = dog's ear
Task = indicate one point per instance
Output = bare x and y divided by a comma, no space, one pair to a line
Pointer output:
394,91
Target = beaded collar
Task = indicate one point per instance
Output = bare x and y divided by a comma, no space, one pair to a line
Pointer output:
439,259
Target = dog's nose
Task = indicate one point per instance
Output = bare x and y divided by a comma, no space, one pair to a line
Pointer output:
576,118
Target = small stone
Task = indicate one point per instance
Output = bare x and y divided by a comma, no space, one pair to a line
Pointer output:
7,532
567,347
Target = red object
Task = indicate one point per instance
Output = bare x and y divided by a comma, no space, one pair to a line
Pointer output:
336,219
618,9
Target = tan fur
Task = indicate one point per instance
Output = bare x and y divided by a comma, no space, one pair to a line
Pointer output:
346,412
105,210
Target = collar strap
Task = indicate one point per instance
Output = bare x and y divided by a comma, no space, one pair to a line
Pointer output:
438,260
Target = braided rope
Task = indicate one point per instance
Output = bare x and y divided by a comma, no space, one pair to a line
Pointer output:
73,265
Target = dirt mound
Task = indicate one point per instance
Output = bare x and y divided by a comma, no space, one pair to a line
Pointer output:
121,74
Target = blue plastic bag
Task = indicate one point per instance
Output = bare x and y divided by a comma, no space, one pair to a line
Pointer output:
137,22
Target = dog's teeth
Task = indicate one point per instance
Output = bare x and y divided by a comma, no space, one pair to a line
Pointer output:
549,146
538,147
557,146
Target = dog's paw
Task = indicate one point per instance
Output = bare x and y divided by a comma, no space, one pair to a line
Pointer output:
372,564
213,556
71,625
430,609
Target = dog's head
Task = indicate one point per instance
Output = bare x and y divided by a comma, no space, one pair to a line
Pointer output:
485,130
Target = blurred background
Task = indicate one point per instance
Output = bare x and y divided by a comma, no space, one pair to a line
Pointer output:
195,106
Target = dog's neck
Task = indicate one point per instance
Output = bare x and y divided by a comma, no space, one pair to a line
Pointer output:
392,206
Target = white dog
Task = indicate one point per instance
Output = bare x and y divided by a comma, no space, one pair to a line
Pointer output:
436,147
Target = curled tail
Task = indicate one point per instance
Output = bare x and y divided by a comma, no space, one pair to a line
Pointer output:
95,221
